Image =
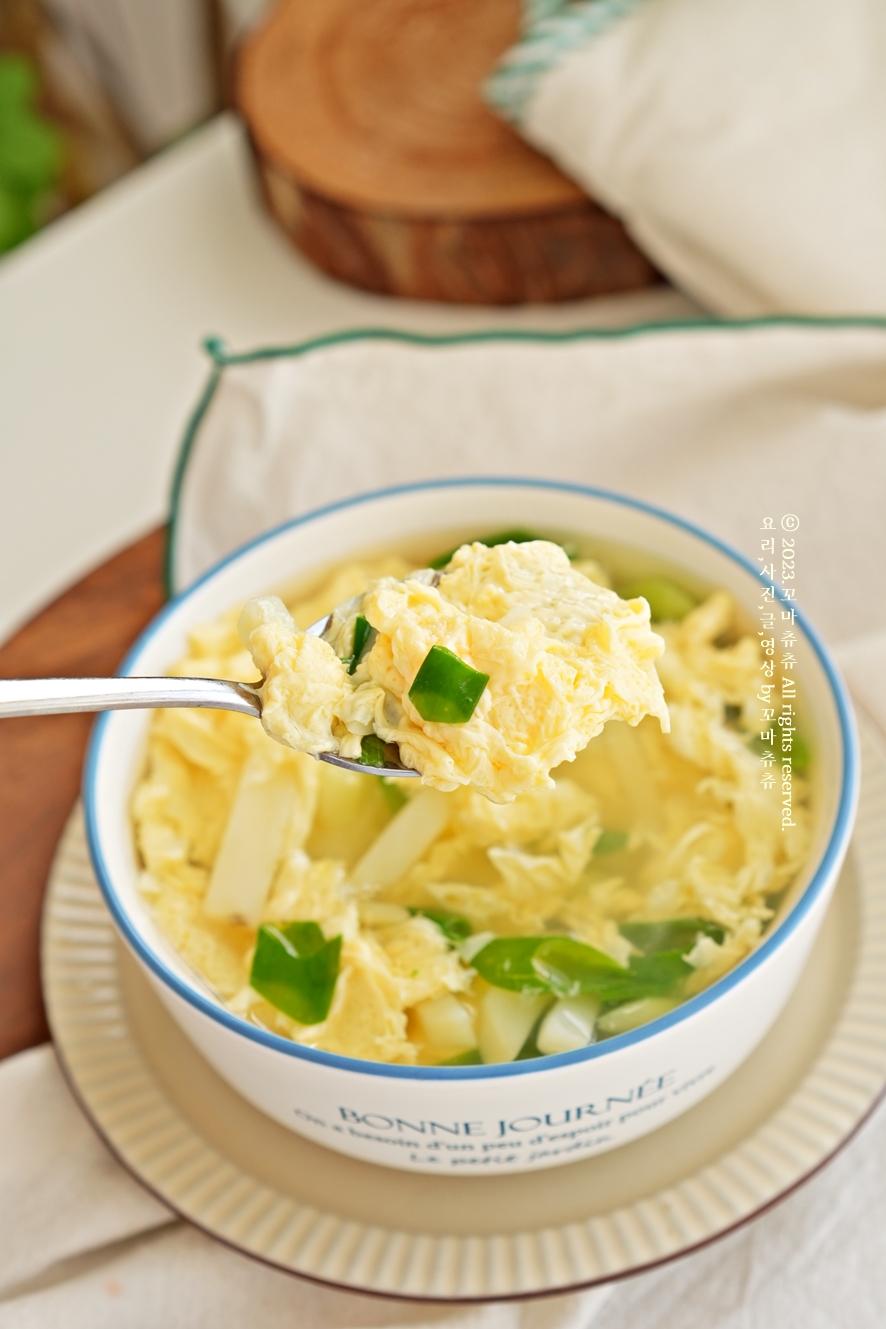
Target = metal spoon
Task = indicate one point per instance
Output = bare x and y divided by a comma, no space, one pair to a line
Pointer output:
63,696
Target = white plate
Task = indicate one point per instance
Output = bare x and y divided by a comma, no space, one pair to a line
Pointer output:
270,1193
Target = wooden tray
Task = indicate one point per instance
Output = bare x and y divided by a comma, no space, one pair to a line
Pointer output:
86,631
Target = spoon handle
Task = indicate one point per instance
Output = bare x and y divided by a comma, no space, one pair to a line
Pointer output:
58,696
62,696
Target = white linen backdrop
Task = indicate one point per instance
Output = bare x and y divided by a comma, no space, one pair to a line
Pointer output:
743,142
723,425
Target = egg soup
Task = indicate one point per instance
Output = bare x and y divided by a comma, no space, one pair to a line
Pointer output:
590,844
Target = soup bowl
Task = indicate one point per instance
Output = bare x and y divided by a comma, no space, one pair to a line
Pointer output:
519,1115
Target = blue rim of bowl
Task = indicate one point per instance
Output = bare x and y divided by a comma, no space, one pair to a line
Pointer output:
830,858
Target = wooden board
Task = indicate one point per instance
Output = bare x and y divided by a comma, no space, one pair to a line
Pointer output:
86,631
383,164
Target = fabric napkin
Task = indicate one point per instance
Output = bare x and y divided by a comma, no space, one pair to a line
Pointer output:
85,1247
726,426
743,142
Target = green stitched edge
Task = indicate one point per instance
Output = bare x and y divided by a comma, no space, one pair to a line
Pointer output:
222,358
551,30
178,475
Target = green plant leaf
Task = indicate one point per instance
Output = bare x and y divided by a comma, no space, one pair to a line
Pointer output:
16,219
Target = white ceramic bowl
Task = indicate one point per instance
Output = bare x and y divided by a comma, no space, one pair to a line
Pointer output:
522,1115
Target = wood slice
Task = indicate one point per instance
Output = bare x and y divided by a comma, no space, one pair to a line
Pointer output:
384,166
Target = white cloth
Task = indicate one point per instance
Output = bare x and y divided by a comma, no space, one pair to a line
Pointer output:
743,142
83,1245
723,426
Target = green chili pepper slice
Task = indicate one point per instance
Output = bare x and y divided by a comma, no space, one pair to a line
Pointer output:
667,601
446,690
295,969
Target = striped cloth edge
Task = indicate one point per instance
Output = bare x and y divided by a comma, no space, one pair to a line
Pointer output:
552,29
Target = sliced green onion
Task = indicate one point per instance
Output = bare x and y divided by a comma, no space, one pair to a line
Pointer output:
633,1014
544,964
773,902
506,962
446,690
650,976
673,934
362,629
570,968
667,601
517,536
731,713
506,1022
295,969
799,756
470,1058
645,976
568,1025
611,842
375,752
530,1048
392,794
453,926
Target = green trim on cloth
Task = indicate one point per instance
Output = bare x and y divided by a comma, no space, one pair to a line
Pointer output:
221,358
181,465
552,29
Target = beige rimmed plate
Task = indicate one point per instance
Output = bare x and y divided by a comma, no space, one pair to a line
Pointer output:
251,1183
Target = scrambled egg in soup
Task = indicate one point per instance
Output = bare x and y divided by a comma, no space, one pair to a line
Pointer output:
408,922
560,655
